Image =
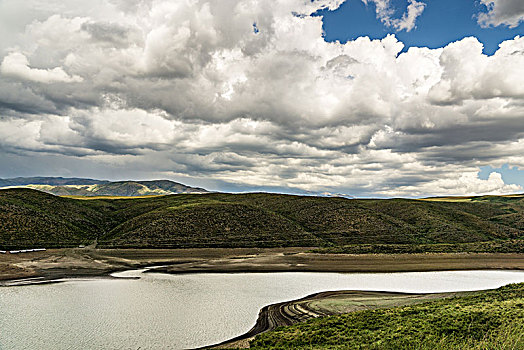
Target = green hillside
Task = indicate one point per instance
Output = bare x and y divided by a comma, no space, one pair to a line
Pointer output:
32,218
483,320
29,217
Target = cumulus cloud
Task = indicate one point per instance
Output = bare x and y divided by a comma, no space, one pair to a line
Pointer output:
466,184
501,12
16,65
385,13
189,88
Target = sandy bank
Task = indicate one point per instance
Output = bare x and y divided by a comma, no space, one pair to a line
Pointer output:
271,261
70,263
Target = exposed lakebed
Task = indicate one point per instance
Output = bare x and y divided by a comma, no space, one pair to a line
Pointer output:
161,311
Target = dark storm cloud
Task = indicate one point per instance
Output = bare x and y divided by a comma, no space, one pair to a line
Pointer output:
489,132
502,12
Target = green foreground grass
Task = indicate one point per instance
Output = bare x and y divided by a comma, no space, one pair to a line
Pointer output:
491,319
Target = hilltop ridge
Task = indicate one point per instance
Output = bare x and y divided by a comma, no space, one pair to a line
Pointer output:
29,217
90,187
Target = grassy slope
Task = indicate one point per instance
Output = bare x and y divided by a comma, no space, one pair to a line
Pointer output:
484,320
211,224
30,218
227,220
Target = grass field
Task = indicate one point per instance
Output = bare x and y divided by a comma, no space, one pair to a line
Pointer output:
470,198
482,320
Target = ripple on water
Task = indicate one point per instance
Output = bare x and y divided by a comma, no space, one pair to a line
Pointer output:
160,311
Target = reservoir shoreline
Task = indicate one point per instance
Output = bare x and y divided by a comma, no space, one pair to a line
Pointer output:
57,264
281,307
299,310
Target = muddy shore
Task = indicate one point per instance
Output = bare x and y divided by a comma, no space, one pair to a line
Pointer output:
83,262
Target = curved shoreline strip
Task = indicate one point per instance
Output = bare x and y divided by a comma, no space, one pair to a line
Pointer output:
72,262
269,317
299,310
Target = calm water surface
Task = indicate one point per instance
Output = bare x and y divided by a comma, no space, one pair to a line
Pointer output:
160,311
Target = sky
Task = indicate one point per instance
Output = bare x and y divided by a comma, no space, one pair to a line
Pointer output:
369,98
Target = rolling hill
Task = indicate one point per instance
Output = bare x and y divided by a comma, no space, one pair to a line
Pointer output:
89,187
29,217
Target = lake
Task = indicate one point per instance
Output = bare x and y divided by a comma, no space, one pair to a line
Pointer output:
161,311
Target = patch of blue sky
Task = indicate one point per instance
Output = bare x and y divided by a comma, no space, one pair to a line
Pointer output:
511,175
441,22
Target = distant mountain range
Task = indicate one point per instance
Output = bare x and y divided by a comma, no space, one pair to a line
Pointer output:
90,187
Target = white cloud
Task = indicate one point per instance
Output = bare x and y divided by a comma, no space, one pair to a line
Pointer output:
466,184
407,22
188,87
480,76
385,13
502,12
16,65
